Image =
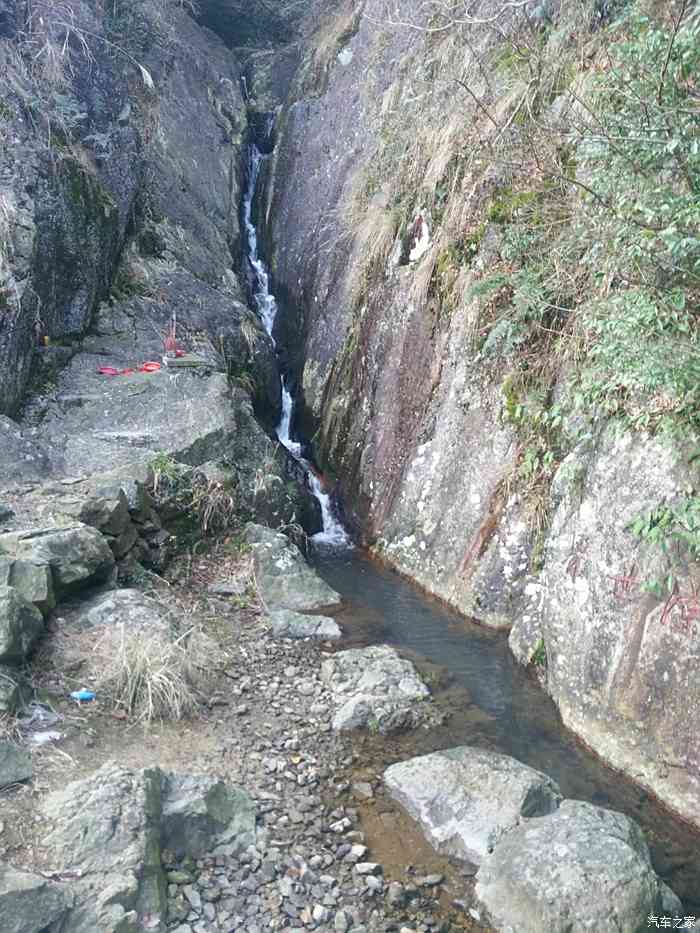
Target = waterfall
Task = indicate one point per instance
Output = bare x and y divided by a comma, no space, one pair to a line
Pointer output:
333,534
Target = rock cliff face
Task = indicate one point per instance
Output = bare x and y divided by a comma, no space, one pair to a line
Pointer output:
390,204
124,129
97,116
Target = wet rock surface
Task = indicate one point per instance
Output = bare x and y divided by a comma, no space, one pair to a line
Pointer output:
466,799
375,688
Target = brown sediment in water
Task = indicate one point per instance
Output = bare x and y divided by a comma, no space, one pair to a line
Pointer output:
528,728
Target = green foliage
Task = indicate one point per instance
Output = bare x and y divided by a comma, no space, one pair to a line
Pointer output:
640,160
163,467
539,655
457,255
673,529
506,203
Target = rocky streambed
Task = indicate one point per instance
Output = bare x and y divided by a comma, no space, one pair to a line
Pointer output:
294,799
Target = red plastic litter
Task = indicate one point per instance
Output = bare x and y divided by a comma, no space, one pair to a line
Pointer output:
108,371
149,367
180,353
127,372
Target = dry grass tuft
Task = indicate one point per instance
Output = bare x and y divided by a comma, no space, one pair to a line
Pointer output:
215,506
9,728
150,674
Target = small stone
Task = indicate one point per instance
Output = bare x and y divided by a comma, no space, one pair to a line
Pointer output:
363,789
369,868
429,881
341,922
396,895
320,914
193,896
356,853
373,884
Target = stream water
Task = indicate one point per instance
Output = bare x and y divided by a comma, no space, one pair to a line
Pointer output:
333,533
493,702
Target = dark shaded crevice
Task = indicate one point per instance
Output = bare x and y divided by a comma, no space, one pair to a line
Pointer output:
247,22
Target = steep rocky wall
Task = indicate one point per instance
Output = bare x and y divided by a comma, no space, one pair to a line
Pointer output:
381,141
99,155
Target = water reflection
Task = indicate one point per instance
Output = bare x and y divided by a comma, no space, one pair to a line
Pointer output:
496,704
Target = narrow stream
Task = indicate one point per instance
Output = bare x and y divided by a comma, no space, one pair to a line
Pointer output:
333,533
494,703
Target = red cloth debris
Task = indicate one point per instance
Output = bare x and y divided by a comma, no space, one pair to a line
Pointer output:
149,367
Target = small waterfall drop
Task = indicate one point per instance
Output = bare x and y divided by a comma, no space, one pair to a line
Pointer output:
333,534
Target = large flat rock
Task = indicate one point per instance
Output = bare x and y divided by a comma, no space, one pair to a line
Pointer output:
466,799
77,555
30,903
129,607
374,688
579,869
108,830
288,624
283,577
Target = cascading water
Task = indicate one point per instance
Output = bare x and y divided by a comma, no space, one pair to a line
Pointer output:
333,533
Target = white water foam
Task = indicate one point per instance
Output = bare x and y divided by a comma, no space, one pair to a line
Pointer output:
333,534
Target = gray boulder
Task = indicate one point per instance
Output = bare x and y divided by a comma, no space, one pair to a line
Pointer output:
375,688
288,624
13,690
21,624
579,869
202,814
31,580
107,827
15,764
283,577
466,799
127,606
107,510
110,827
77,555
31,904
